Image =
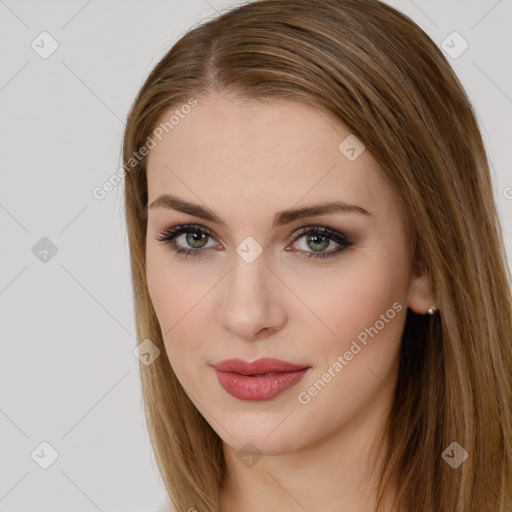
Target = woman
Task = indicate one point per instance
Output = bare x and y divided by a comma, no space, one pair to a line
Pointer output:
315,251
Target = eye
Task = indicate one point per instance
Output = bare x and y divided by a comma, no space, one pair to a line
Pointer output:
194,235
317,238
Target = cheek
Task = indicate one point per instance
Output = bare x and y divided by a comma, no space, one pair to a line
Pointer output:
363,293
366,312
162,290
177,296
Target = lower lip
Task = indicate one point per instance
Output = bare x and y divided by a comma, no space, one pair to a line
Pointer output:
258,388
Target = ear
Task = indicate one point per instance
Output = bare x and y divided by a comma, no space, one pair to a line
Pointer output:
421,293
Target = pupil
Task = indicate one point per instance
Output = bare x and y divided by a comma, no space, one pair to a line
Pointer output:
315,238
194,237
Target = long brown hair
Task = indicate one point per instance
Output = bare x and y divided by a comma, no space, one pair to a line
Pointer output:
375,70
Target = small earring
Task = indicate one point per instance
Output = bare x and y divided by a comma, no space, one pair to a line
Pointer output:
432,310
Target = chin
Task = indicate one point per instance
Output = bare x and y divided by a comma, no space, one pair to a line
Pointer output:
261,436
260,445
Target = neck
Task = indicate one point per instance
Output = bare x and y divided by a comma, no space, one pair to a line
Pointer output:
337,472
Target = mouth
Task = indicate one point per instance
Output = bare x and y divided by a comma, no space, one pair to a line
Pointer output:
263,366
259,380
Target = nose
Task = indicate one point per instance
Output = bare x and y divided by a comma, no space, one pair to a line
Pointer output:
252,307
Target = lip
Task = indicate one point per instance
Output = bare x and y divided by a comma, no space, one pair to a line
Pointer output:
250,380
258,367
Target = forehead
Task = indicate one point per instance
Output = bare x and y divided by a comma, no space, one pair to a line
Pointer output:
261,155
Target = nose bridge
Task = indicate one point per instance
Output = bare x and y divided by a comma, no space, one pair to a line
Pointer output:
248,281
250,304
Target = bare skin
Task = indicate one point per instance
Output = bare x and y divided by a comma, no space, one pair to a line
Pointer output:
246,162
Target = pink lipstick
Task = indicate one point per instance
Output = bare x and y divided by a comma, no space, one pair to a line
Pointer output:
258,380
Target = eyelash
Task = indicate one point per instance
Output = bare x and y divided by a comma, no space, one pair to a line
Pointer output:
168,235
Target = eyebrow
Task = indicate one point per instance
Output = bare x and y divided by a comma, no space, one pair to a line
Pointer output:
281,218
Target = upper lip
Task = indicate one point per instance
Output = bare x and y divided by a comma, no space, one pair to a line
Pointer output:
258,367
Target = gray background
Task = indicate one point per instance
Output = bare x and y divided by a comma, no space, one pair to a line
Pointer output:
68,375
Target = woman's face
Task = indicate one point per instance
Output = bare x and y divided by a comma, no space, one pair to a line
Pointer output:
332,303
